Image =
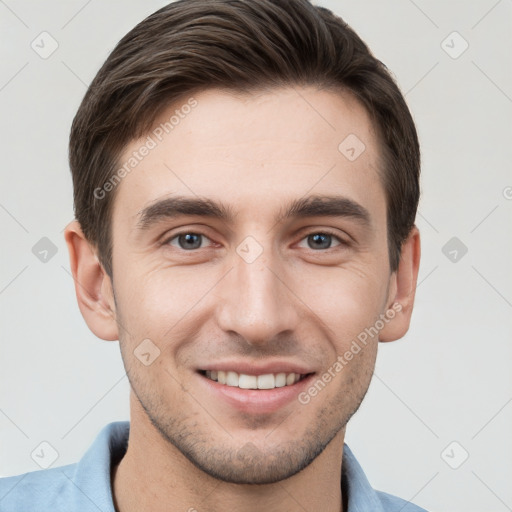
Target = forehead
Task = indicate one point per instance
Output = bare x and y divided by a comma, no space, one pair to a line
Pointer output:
254,150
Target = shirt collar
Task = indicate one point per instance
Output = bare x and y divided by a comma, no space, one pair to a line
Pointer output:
92,475
360,495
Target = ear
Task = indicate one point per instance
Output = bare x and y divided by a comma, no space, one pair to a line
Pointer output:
93,286
403,289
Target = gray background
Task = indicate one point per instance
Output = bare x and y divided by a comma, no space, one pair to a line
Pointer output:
448,380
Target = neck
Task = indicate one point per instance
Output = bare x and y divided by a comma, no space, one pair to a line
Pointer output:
154,475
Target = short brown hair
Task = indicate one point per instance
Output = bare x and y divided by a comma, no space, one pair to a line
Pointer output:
239,45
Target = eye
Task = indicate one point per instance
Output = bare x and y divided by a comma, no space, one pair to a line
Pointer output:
322,240
187,241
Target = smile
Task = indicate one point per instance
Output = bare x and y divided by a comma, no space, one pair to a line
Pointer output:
244,381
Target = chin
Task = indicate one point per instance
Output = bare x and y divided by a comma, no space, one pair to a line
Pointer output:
250,466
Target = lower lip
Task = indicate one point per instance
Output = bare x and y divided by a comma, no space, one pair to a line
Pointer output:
259,401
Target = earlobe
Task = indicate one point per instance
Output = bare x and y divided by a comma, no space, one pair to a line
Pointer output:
403,289
93,286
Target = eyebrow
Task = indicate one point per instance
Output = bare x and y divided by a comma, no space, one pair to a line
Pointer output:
311,206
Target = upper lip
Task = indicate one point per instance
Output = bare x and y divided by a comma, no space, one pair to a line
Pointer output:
253,368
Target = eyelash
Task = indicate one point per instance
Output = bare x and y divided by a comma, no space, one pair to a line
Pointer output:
341,241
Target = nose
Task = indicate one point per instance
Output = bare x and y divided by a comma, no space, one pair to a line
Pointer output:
257,301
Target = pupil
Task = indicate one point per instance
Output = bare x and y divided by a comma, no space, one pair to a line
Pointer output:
321,238
189,240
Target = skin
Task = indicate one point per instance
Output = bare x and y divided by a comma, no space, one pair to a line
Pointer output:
188,448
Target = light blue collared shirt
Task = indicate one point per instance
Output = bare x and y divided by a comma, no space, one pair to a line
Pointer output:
86,486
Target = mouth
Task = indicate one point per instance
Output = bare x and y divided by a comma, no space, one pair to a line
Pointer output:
254,388
264,381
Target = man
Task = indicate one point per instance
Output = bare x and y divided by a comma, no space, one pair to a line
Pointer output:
246,182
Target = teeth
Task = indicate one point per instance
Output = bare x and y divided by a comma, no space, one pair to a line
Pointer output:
247,381
280,380
243,381
232,379
266,381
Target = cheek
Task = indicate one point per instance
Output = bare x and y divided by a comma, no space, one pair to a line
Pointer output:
159,301
346,301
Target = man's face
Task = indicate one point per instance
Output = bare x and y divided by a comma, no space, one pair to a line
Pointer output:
257,292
